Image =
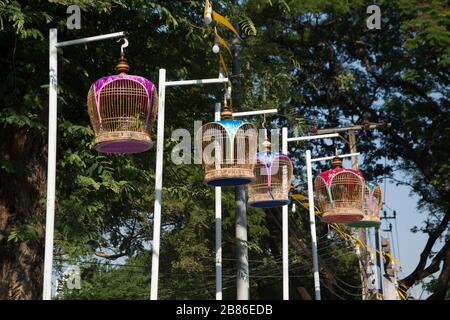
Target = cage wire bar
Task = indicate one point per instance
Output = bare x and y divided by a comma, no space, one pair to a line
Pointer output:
52,141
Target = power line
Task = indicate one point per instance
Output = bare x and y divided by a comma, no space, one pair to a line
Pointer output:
331,290
347,284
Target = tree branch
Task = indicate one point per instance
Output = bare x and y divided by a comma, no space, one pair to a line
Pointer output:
420,272
110,256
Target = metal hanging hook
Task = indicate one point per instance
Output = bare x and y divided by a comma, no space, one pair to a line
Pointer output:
227,94
124,45
228,91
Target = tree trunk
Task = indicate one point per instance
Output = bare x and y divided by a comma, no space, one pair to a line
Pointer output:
21,257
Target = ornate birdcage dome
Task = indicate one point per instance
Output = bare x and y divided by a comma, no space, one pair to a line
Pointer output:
228,150
273,175
372,207
122,109
339,194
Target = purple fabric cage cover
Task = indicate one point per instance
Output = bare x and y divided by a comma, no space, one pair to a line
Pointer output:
124,145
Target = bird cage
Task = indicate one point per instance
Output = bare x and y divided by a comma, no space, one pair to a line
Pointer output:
122,109
372,207
273,173
228,150
339,194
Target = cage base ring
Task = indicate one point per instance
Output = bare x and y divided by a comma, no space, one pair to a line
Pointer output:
268,203
342,215
228,181
228,177
365,223
123,142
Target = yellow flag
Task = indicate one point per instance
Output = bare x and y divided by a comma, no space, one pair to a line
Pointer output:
392,258
298,196
223,42
206,8
223,65
371,251
224,21
338,230
401,295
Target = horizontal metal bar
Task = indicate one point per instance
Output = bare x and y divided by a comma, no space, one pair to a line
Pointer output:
354,127
322,136
194,82
332,157
253,113
91,39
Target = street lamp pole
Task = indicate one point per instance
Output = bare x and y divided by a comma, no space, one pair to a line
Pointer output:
163,84
311,205
312,218
285,218
52,138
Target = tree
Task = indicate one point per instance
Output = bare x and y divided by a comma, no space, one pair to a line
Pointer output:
313,60
109,281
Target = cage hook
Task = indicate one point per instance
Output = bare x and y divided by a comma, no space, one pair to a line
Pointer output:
337,162
228,91
267,146
124,45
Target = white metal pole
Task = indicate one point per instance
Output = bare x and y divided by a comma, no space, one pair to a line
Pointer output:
312,221
52,137
315,137
51,164
285,225
163,83
195,82
332,157
90,39
158,186
218,220
253,113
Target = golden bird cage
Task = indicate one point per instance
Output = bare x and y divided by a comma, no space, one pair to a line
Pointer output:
273,173
372,207
339,194
122,109
228,149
